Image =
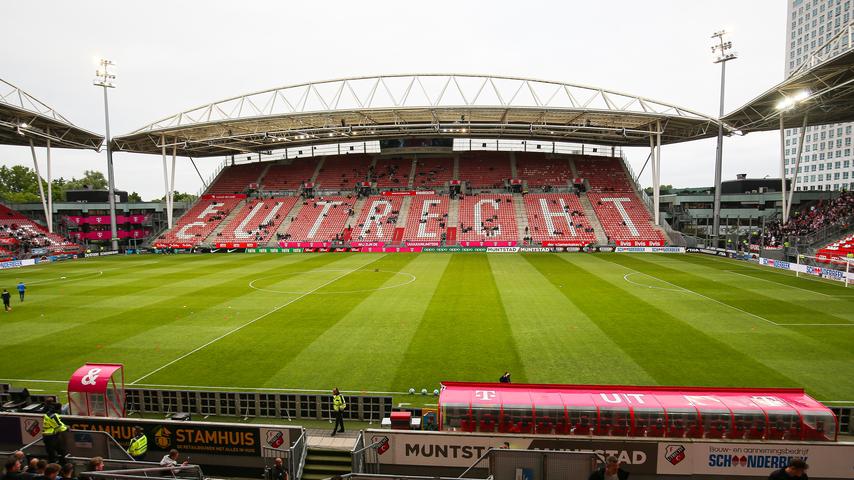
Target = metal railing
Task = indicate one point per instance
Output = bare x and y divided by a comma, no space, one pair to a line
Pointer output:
182,471
357,457
296,456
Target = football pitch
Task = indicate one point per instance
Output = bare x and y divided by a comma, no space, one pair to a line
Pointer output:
388,322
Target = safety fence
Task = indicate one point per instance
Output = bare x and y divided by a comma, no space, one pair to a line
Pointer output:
315,406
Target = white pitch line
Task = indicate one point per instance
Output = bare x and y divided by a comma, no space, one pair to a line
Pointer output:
785,273
708,298
250,322
778,283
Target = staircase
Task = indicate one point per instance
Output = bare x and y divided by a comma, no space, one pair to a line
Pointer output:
323,463
284,226
318,169
353,222
454,213
601,238
412,170
572,168
211,239
404,213
514,173
260,179
521,217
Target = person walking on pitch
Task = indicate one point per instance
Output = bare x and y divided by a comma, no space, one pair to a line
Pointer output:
21,289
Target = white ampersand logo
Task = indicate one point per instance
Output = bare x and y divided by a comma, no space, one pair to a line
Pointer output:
91,376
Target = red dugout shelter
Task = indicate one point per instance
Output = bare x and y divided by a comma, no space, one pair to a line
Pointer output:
98,390
629,411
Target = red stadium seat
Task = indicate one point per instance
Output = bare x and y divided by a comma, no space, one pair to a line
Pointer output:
485,218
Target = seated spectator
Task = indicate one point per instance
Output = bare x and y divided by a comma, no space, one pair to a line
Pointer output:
67,472
171,459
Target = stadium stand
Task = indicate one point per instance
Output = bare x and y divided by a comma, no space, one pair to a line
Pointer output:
290,176
485,169
391,172
540,171
195,225
487,218
321,220
377,220
236,179
840,249
17,232
341,173
257,220
623,215
557,217
836,211
427,220
433,172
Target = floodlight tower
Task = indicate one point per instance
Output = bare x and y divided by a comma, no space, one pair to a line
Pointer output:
104,79
724,53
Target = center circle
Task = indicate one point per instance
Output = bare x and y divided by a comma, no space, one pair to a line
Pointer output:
258,283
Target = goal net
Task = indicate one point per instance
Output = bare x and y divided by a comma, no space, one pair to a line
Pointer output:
839,269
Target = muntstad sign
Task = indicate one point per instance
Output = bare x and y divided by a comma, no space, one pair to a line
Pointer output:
462,449
650,457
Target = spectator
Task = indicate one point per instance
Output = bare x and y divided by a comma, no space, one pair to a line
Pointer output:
12,469
51,471
278,472
67,472
41,464
171,459
796,469
96,464
610,471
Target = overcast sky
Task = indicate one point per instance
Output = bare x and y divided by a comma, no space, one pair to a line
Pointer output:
173,56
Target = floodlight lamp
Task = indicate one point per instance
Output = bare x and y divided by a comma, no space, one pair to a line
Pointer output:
24,125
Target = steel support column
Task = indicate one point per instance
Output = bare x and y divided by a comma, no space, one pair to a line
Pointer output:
656,198
797,165
166,183
49,190
39,180
783,167
172,183
111,179
719,153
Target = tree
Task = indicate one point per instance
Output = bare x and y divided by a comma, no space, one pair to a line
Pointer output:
661,189
134,197
92,179
19,184
179,197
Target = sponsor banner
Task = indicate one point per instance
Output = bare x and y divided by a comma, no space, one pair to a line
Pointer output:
453,249
174,245
753,459
304,244
535,249
502,249
101,254
18,263
827,273
563,243
105,234
367,244
442,449
273,250
391,249
237,245
219,196
606,249
639,243
484,243
105,219
8,241
621,249
407,193
420,243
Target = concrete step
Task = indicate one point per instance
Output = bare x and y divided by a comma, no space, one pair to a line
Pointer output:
598,229
227,220
454,213
286,224
521,218
404,213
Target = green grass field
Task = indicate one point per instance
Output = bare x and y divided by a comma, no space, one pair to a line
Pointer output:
387,322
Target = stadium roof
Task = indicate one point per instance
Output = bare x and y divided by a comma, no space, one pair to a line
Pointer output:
821,91
413,105
23,118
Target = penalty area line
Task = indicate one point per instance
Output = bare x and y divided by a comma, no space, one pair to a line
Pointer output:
237,329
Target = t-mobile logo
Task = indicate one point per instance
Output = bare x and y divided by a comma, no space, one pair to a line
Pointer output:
548,216
376,218
618,203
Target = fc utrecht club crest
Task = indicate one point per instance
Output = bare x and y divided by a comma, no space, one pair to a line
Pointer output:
674,453
162,437
32,427
275,438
